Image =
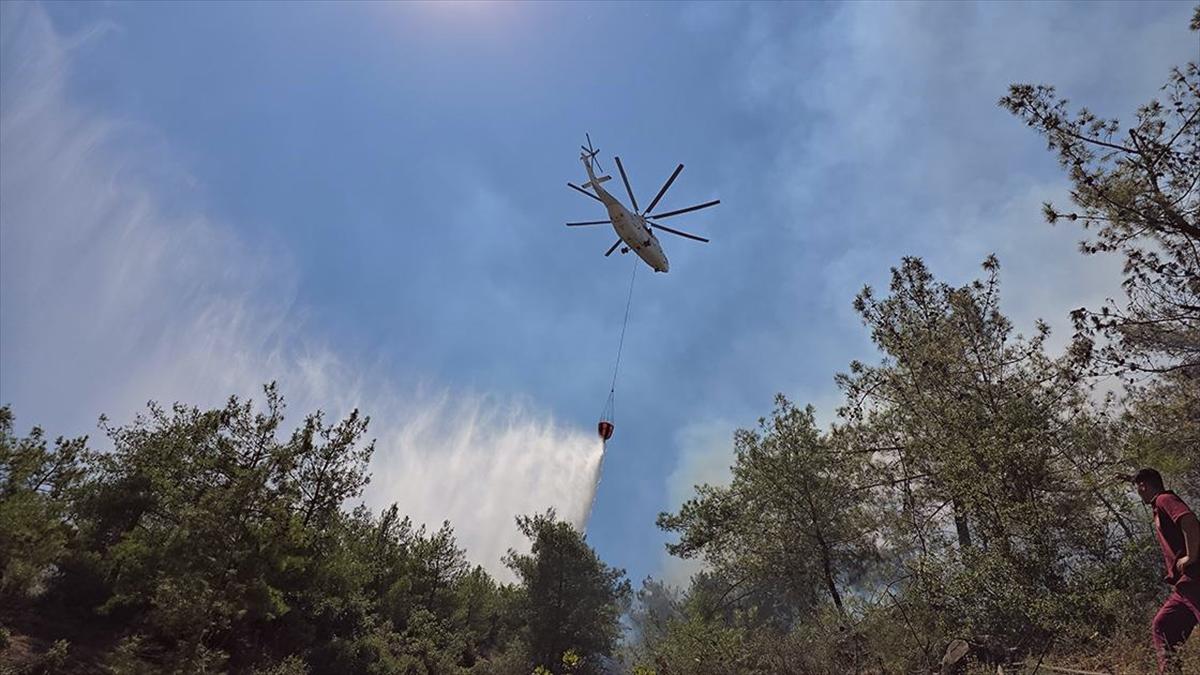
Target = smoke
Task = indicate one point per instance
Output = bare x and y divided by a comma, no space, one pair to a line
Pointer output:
116,289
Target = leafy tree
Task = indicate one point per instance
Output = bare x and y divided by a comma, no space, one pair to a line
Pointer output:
438,567
656,607
699,630
35,482
208,540
1161,428
212,529
484,614
790,524
703,631
1137,190
993,462
572,600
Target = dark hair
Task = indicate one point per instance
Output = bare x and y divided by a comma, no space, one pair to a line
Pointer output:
1150,477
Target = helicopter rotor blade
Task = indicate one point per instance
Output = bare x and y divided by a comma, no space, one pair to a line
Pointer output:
613,248
576,187
676,232
626,180
590,222
663,191
697,207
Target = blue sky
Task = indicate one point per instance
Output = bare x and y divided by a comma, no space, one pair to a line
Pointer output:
365,202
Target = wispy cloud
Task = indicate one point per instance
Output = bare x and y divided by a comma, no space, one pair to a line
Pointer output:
116,288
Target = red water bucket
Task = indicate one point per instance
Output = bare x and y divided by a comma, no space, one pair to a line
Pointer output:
605,429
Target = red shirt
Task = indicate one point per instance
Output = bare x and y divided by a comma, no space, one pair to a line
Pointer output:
1169,509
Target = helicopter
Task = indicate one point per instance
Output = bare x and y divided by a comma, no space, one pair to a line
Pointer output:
632,226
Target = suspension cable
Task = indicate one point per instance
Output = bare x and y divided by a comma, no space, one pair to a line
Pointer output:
621,344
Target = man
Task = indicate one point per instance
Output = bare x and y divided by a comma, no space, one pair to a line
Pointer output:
1179,537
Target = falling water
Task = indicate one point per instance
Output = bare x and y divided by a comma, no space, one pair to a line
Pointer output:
595,488
480,463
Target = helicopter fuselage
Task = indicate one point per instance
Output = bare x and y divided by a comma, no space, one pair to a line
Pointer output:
629,226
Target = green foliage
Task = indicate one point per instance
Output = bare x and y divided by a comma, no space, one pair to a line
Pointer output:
35,481
513,659
572,601
790,524
55,659
292,665
211,528
1160,428
966,490
127,657
693,639
1136,191
209,540
984,435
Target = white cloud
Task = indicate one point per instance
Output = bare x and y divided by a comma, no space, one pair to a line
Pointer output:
116,289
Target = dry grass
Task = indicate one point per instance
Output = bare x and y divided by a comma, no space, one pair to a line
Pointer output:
1128,653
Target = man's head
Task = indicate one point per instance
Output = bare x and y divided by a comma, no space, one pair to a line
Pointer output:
1149,483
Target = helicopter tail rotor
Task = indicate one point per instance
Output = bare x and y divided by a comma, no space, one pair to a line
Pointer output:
591,152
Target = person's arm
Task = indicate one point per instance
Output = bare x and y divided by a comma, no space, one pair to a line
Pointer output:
1191,541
